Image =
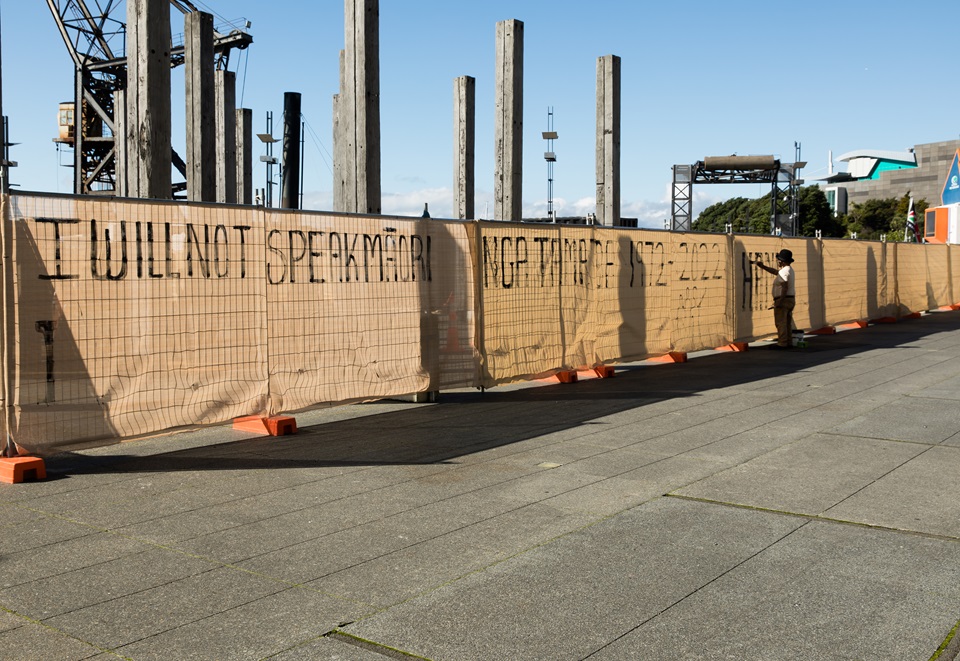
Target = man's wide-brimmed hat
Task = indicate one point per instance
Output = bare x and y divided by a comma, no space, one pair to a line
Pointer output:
785,256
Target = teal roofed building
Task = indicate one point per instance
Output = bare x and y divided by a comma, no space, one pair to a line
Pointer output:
876,174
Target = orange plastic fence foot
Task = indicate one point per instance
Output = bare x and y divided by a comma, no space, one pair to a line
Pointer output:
735,346
567,377
884,320
251,423
281,425
604,371
826,330
277,425
912,315
853,324
21,469
946,308
672,357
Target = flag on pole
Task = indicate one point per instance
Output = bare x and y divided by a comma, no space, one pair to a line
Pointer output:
912,232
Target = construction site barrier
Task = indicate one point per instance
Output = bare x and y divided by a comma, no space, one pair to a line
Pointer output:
131,317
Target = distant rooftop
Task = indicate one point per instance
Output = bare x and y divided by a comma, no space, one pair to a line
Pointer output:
880,155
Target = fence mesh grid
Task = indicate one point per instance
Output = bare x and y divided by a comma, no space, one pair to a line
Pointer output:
131,317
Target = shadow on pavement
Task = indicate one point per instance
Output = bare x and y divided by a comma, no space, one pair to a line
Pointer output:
466,422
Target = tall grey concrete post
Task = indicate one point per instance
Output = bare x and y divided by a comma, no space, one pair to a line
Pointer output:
244,142
360,103
608,140
225,86
148,124
120,142
342,171
508,126
201,107
290,179
464,143
338,172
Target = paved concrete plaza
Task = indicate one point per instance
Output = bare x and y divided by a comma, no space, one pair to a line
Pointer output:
766,505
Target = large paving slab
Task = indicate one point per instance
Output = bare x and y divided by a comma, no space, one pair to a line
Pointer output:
920,419
808,476
921,496
826,592
567,599
530,521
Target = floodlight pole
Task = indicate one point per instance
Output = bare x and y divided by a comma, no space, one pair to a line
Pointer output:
550,157
271,160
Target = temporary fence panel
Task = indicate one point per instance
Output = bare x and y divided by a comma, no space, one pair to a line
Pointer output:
923,281
453,302
855,281
809,313
131,317
911,277
954,253
602,306
646,324
940,290
701,293
753,287
345,297
521,271
588,275
128,317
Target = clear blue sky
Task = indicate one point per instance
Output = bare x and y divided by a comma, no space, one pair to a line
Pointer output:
698,79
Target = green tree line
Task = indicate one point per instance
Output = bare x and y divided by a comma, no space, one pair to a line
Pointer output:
868,220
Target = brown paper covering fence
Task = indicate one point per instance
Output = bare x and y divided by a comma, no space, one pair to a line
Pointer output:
953,255
126,318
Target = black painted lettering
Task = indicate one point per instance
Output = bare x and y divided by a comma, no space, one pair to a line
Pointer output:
372,257
297,252
314,238
351,257
335,249
403,258
108,252
243,249
220,239
280,256
504,263
46,328
193,244
390,257
491,259
58,273
168,251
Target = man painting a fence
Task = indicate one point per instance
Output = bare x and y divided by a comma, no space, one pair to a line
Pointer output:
784,296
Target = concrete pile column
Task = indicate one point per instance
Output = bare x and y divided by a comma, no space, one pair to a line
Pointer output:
244,139
339,144
357,111
508,126
225,86
148,126
201,121
464,142
608,140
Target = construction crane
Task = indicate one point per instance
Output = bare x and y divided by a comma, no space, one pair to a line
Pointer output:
95,41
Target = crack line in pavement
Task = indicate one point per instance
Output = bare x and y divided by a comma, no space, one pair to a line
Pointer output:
949,649
372,646
815,517
700,588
